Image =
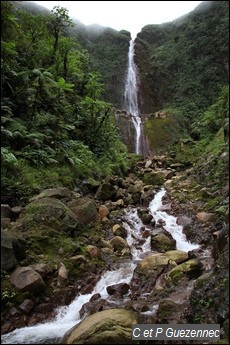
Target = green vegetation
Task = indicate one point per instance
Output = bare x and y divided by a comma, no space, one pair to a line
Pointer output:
162,132
185,63
56,127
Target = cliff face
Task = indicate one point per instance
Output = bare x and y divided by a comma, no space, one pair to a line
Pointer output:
153,81
128,133
109,54
184,63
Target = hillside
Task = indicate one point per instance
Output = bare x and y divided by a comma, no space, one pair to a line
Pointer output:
107,47
184,63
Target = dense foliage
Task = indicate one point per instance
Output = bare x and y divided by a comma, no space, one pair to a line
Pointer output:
185,63
55,125
58,75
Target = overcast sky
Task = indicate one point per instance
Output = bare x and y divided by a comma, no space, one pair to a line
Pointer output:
124,15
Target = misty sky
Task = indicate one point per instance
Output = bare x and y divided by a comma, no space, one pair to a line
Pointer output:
124,15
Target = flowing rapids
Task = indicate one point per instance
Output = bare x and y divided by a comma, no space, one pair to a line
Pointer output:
68,316
131,101
170,223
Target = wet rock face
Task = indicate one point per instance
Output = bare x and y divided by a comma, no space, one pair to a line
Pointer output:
118,289
127,129
95,306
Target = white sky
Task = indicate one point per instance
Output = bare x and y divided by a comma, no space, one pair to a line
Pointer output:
124,15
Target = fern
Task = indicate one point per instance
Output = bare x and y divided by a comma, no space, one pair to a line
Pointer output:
7,156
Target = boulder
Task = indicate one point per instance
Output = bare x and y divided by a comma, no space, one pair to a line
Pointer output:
120,245
96,305
146,218
119,230
162,242
42,269
8,259
205,217
106,191
118,289
50,212
112,326
191,268
152,265
101,243
85,210
26,306
145,233
95,297
103,211
90,185
5,211
62,272
177,256
148,163
167,311
119,203
93,251
58,193
78,259
26,279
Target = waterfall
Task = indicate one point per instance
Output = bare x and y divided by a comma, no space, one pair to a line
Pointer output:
131,101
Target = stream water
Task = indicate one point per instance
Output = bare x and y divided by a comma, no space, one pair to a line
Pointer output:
68,316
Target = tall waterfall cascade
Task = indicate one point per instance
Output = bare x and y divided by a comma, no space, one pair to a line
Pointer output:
131,100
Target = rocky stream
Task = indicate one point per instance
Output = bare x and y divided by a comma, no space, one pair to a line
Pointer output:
92,262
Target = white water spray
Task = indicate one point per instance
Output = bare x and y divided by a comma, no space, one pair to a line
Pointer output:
170,223
131,101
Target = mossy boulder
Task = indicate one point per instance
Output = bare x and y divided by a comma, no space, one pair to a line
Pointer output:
58,193
154,178
50,212
161,132
120,245
191,267
152,265
177,256
146,218
162,242
112,326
